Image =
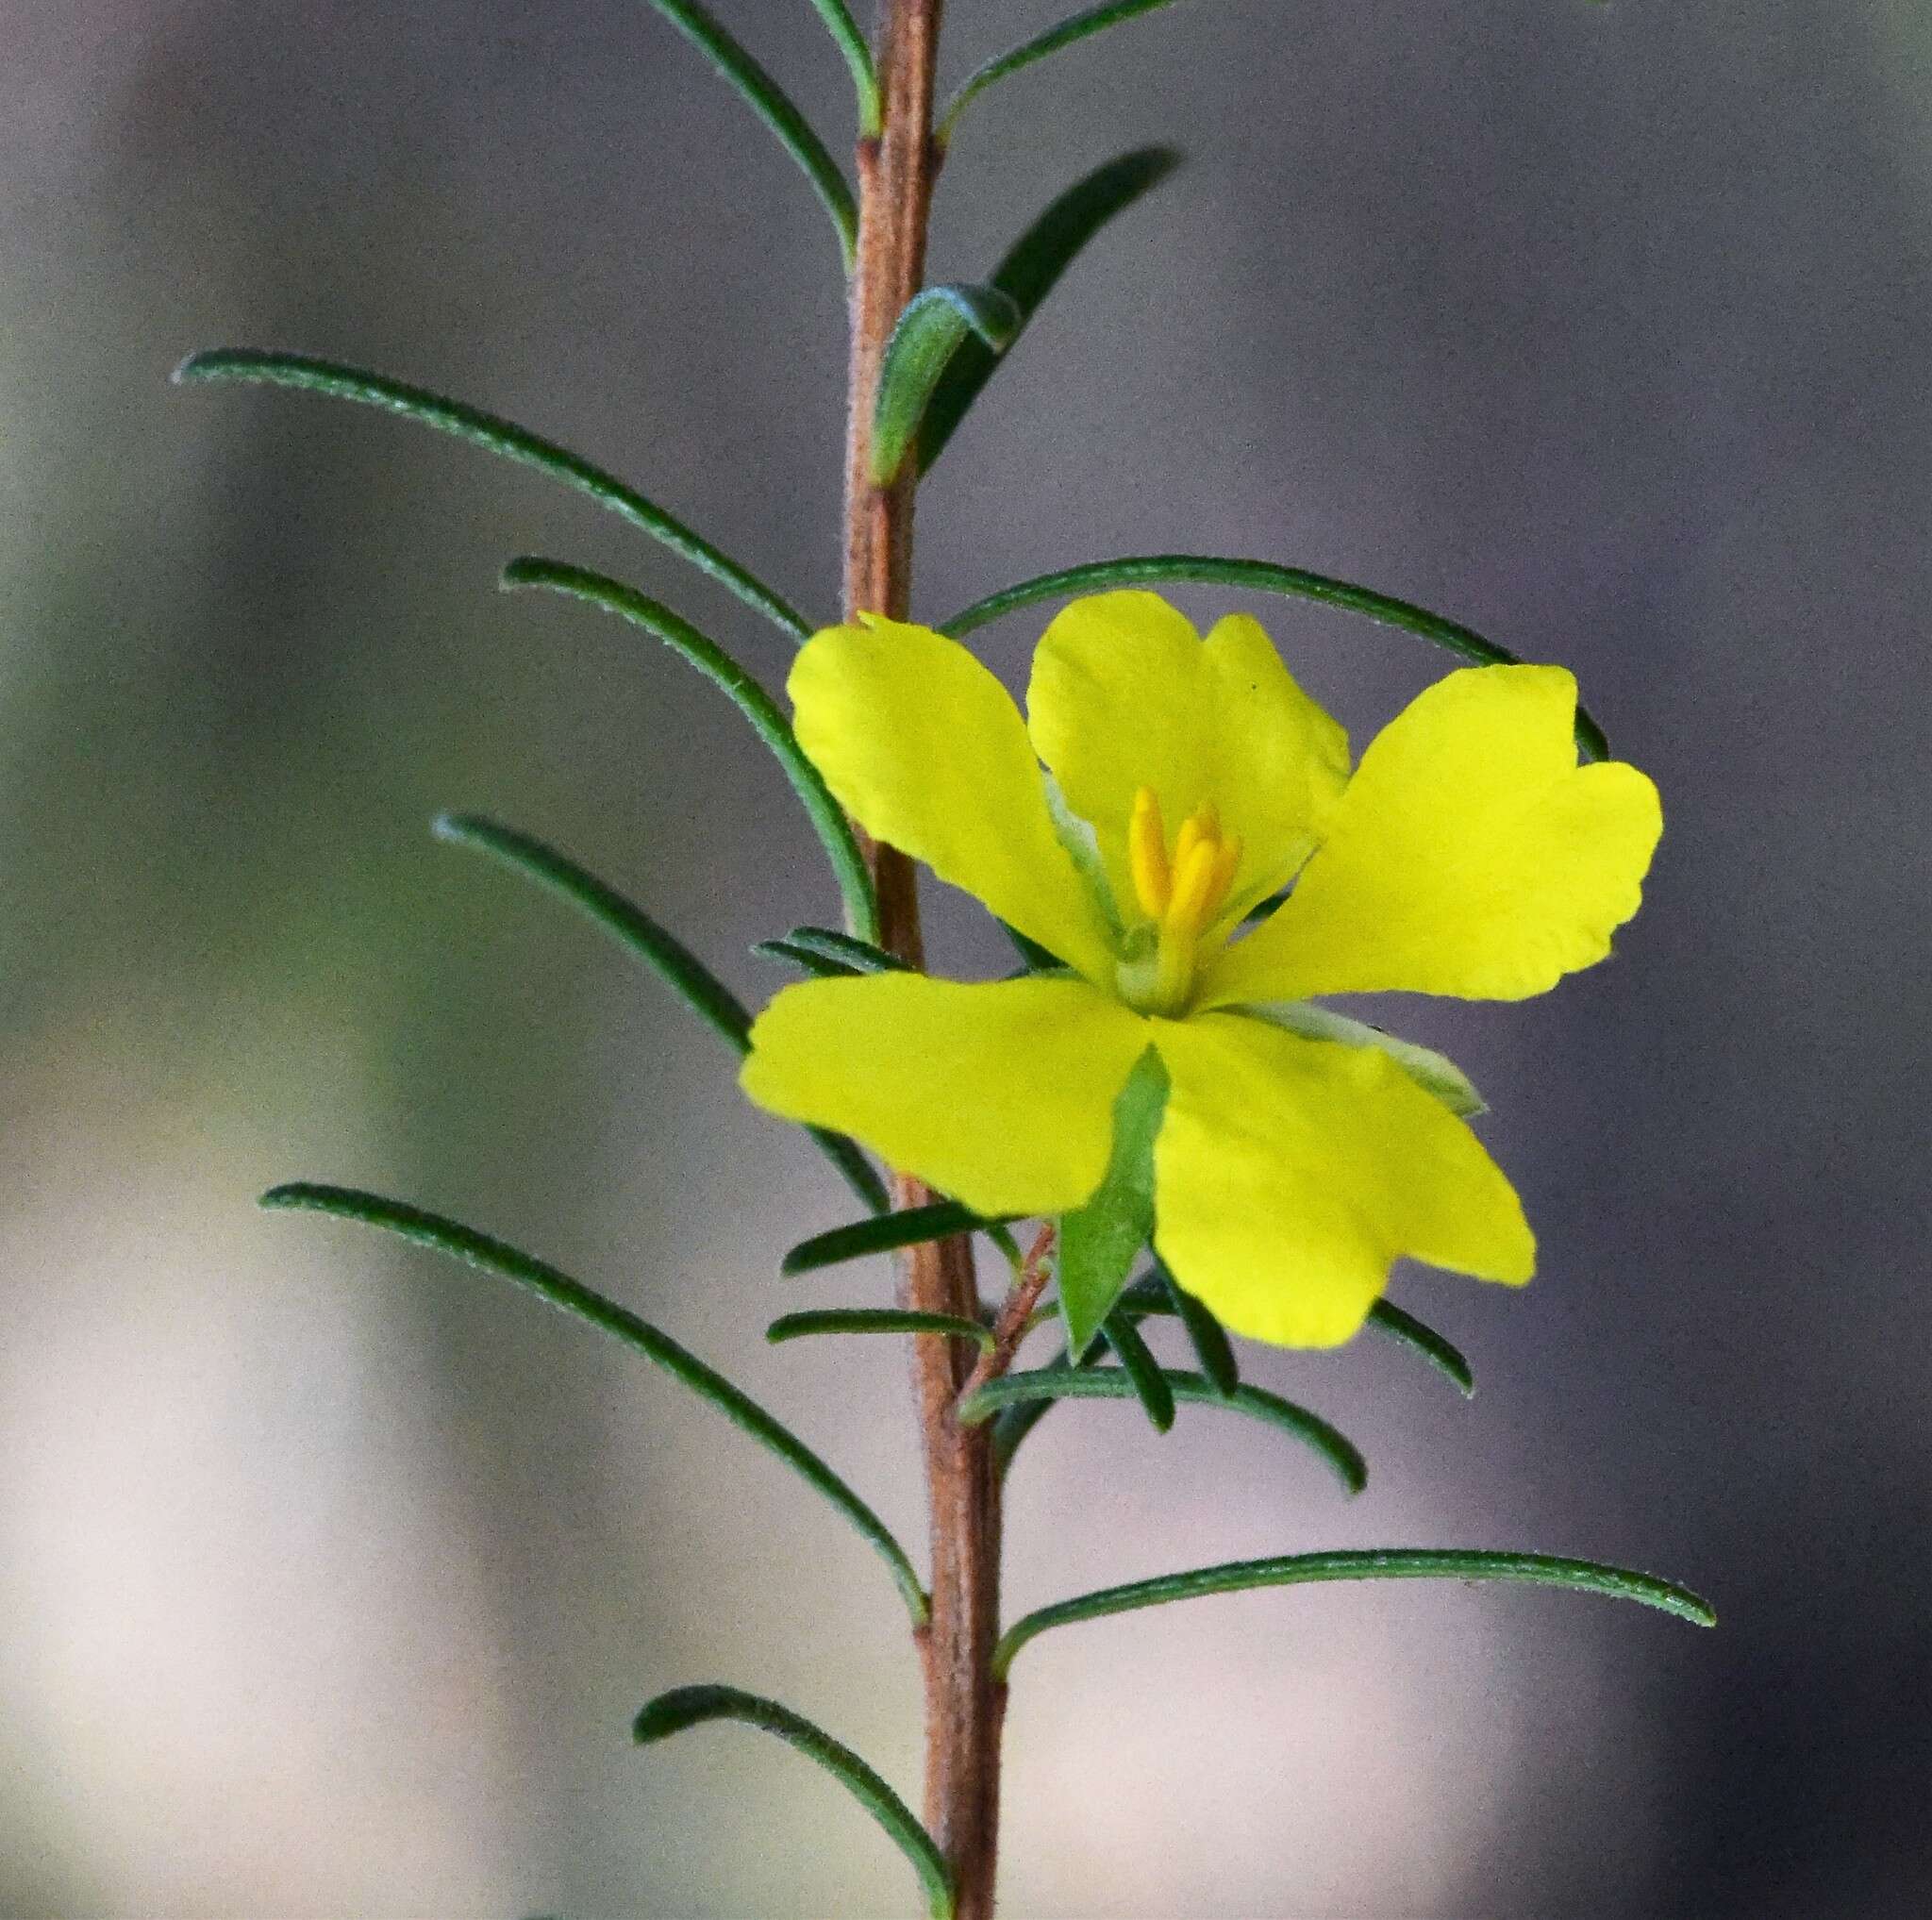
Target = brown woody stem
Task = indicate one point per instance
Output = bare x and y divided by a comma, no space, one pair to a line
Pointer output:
964,1704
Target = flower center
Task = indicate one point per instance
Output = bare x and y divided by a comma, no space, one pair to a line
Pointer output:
1180,890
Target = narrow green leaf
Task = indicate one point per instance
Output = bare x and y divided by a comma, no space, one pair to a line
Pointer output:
767,718
1111,1383
1206,1334
548,1284
1141,1367
885,1234
773,106
1380,1563
857,956
1036,958
1434,1073
1386,1317
1068,33
875,1320
1100,1242
933,325
817,964
660,950
685,1707
1260,577
1030,272
852,43
337,381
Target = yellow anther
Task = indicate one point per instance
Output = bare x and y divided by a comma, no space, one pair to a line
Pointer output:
1148,855
1193,900
1225,865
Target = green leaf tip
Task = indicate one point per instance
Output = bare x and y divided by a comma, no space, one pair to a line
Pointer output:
304,372
875,1320
1031,270
766,717
857,56
934,325
1379,1563
551,1285
886,1233
1065,1382
1385,1317
1068,32
775,107
1260,577
688,1707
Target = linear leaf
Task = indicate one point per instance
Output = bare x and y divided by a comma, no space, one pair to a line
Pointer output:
1385,1317
819,965
1101,1241
775,107
852,43
857,956
548,1284
307,374
1206,1334
685,1707
1141,1367
1068,33
1380,1563
1064,1382
1031,270
1036,958
660,950
885,1234
925,337
767,718
875,1320
1260,577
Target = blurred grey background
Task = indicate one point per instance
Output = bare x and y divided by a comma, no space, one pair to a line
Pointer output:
329,1573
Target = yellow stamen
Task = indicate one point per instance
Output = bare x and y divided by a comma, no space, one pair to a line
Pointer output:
1148,855
1193,889
1225,866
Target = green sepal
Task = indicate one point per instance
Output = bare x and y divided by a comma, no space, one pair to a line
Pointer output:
817,964
856,954
1100,1242
1031,270
1258,577
1138,1362
331,378
775,107
685,1707
559,1290
1434,1073
885,1234
931,328
1378,1563
766,717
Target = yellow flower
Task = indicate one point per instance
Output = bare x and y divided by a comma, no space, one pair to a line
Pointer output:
1467,854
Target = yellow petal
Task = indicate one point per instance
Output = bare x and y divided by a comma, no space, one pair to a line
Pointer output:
1000,1094
923,748
1291,1174
1124,694
1471,855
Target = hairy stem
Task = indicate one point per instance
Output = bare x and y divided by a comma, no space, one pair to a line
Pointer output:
963,1702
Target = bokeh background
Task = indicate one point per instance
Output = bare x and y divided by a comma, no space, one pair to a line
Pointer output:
329,1573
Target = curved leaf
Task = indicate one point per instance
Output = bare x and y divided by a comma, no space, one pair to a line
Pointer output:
1141,1367
1447,1359
857,956
548,1284
875,1320
661,951
803,958
686,1707
775,107
307,374
1068,33
886,1233
1030,272
767,718
933,325
1384,1563
1260,577
1206,1334
852,43
1063,1383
